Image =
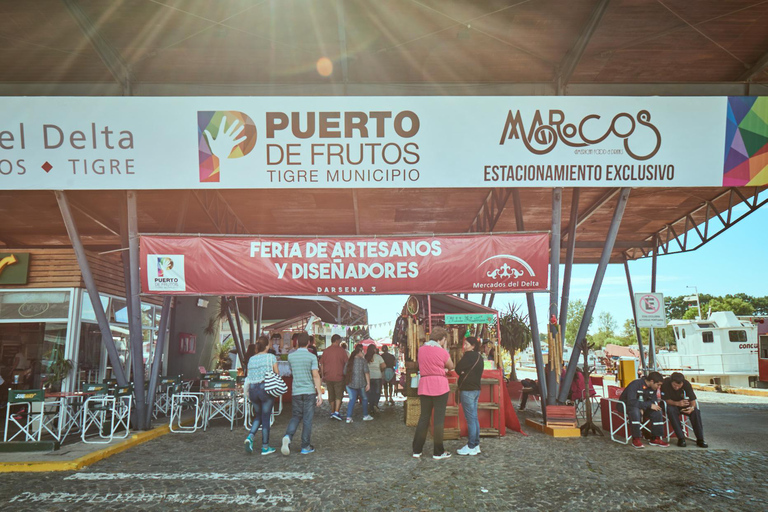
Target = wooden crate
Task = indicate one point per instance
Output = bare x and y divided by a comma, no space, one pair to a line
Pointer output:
412,411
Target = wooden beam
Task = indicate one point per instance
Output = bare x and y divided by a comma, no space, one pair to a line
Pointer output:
572,58
594,207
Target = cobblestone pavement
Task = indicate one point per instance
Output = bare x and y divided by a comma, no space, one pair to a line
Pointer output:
368,465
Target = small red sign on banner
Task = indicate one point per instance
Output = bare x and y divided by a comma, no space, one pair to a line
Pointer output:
290,266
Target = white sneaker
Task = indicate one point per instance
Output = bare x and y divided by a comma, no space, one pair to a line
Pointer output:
368,418
286,448
464,450
476,450
443,455
349,420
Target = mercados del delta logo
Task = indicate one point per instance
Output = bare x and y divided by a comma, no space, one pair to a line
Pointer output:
222,135
507,271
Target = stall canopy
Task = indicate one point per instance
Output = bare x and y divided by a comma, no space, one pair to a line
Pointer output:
333,310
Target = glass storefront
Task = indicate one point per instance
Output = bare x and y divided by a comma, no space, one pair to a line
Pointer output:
41,328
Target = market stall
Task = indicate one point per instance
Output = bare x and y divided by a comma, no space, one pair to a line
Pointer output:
462,318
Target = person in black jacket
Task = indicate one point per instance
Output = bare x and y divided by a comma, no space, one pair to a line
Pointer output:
470,370
641,403
680,398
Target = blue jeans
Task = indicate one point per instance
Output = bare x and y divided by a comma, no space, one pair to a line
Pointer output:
469,401
353,394
374,394
262,404
302,409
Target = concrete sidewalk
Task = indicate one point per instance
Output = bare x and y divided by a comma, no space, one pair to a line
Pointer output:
74,456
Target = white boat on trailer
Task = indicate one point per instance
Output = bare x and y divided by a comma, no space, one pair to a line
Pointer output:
720,350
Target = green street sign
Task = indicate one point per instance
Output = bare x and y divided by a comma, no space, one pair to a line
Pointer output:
469,319
14,267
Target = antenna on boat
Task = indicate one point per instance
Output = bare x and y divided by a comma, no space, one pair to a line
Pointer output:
695,296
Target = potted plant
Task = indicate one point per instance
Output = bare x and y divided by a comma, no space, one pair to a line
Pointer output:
58,370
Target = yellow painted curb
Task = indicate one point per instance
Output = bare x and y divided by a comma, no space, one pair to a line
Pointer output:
85,460
732,391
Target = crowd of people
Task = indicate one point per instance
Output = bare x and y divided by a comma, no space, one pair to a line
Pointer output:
362,374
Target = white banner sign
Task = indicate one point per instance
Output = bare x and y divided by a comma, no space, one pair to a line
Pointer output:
649,308
379,142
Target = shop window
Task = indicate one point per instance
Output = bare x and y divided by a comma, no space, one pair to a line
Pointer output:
763,347
27,351
32,306
147,315
87,310
737,336
89,355
707,337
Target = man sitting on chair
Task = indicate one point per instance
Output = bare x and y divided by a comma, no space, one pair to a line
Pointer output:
640,400
681,399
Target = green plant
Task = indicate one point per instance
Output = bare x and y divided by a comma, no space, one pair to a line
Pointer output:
59,368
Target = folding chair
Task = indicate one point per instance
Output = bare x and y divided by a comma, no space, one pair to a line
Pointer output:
180,402
24,417
95,409
598,383
685,423
165,389
220,400
581,406
614,415
122,405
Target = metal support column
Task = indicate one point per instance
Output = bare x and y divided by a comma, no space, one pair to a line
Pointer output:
652,336
537,355
554,284
252,320
261,311
134,325
581,337
573,222
634,316
239,330
157,361
90,285
232,327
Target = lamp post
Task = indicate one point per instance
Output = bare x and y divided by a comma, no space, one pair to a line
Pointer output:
698,304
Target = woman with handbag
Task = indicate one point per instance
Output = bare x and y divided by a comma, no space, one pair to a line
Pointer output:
433,392
260,366
470,370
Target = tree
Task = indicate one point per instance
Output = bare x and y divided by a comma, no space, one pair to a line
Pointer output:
727,303
605,330
739,303
576,310
514,333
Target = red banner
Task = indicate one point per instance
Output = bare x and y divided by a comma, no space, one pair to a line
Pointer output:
310,266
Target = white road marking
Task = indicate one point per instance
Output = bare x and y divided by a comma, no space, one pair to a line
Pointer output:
147,497
193,476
